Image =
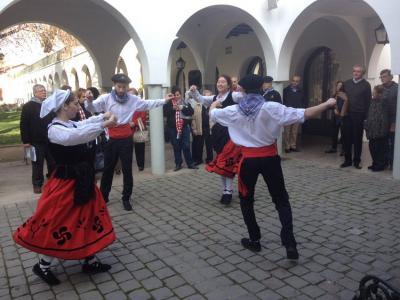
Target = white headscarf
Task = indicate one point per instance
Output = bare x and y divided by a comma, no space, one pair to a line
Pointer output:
54,102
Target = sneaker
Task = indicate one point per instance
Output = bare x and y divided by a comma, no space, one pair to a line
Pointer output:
252,246
127,205
226,199
96,267
291,253
47,277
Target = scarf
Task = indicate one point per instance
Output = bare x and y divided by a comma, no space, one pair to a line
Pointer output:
34,99
251,105
118,99
178,120
82,115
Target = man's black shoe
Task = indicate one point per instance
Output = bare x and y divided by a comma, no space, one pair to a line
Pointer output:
252,246
291,253
294,150
287,150
141,168
127,205
331,150
345,164
177,168
96,267
193,167
377,169
47,277
198,162
357,166
226,199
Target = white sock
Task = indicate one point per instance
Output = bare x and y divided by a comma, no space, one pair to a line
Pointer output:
227,185
45,263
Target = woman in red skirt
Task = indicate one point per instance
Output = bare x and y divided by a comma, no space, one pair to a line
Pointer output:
228,154
71,220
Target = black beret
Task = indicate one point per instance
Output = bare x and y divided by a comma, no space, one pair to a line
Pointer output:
268,79
121,78
251,82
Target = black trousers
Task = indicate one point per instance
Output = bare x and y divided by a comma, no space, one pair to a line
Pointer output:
335,132
139,153
378,149
42,153
271,170
353,130
198,146
116,149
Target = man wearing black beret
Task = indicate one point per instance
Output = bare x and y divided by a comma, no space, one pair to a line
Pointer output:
254,125
120,144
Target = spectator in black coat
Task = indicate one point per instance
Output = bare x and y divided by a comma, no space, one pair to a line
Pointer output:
293,96
34,136
268,91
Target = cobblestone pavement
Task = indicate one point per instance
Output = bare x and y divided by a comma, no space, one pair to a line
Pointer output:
180,243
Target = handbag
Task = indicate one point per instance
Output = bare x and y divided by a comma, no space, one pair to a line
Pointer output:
141,135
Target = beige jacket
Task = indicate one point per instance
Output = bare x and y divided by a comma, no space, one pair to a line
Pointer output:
197,119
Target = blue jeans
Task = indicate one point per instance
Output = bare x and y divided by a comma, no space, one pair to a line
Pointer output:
181,145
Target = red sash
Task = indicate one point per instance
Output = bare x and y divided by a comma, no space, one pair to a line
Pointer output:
120,131
253,152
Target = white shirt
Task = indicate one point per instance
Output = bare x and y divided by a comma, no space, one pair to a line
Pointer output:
264,130
84,132
207,100
123,111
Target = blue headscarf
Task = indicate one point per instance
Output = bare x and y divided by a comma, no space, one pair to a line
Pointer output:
251,105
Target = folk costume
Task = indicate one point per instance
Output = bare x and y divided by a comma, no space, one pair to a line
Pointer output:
228,154
71,220
120,144
254,126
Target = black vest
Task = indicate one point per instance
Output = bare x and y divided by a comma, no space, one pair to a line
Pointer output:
219,133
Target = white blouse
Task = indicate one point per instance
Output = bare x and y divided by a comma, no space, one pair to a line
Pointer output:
123,111
207,100
83,131
264,130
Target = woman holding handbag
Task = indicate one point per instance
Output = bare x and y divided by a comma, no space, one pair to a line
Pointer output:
140,133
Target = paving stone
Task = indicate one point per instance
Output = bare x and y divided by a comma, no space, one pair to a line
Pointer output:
184,291
162,293
239,276
117,295
139,295
269,295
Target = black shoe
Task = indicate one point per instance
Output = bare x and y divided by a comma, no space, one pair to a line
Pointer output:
226,199
127,205
193,167
141,168
287,150
357,166
208,161
96,267
377,169
345,164
252,246
294,150
342,153
177,168
198,162
118,172
291,253
332,150
370,167
47,277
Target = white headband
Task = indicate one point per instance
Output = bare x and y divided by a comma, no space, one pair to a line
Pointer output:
54,102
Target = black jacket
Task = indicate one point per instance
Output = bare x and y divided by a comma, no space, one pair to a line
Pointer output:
170,114
293,98
33,128
273,96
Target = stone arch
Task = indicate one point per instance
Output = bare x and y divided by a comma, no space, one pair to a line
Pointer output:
64,78
88,77
75,78
57,82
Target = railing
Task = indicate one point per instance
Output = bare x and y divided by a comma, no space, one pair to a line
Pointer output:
374,288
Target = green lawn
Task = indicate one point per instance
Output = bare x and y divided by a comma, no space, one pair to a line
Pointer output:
9,128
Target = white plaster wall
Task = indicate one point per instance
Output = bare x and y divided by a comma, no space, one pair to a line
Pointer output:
130,53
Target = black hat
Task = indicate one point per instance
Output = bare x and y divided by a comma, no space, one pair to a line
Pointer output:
251,83
268,79
121,78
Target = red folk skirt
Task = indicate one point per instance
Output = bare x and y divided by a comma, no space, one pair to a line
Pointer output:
60,228
226,162
253,152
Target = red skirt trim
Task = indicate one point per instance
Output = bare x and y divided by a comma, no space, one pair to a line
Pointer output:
253,152
227,161
62,229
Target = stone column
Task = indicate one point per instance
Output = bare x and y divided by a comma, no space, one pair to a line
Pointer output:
156,132
279,86
396,158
